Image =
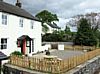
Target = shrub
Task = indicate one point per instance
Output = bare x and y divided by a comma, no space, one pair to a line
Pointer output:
16,53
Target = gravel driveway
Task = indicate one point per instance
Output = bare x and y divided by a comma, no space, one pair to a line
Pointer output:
63,54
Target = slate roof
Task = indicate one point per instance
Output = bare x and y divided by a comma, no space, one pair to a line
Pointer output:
54,25
2,56
15,10
24,37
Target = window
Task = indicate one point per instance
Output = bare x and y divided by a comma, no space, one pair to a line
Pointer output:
21,22
4,19
32,23
3,43
28,45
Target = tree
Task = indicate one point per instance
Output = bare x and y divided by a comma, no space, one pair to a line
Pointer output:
97,34
46,17
85,35
67,30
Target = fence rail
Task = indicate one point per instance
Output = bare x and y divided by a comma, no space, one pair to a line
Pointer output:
76,47
52,65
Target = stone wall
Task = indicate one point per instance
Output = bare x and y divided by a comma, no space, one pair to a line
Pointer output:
87,68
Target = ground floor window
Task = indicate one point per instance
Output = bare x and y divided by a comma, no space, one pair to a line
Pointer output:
3,43
30,45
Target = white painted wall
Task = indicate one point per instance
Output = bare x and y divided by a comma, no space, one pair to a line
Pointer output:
60,46
46,47
12,31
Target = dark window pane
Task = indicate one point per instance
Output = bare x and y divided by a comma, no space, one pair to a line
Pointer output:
32,45
1,46
2,41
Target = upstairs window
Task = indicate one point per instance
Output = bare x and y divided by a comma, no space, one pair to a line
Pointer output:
21,22
32,25
4,19
3,43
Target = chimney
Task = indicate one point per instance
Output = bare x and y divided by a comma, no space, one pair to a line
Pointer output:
18,4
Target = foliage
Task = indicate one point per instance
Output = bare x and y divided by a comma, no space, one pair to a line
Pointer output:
51,37
16,53
59,36
85,35
97,34
46,17
67,30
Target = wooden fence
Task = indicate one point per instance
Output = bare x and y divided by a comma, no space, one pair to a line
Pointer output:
74,61
76,47
52,65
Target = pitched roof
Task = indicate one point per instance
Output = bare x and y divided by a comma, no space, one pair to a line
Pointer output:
24,37
54,25
8,8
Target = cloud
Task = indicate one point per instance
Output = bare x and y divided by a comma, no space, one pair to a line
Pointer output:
90,4
63,8
60,7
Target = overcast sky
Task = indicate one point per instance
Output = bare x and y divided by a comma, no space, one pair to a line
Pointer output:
63,8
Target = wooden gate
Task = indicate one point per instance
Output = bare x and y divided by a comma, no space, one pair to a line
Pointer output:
54,46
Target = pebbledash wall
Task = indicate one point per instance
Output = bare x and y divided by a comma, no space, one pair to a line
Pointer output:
12,31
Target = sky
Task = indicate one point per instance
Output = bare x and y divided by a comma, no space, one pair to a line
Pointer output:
63,8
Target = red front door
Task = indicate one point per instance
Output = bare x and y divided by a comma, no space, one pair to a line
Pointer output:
24,46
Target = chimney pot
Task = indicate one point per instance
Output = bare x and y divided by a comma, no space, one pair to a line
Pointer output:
18,4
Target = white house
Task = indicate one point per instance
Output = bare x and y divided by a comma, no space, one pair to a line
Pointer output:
19,30
52,27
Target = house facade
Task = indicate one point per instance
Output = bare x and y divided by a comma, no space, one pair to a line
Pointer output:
19,30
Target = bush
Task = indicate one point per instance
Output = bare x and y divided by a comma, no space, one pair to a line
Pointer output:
52,37
16,53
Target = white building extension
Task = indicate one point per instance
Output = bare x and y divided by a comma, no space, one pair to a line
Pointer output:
52,27
19,30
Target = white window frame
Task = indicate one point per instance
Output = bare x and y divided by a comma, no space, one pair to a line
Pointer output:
3,44
4,19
